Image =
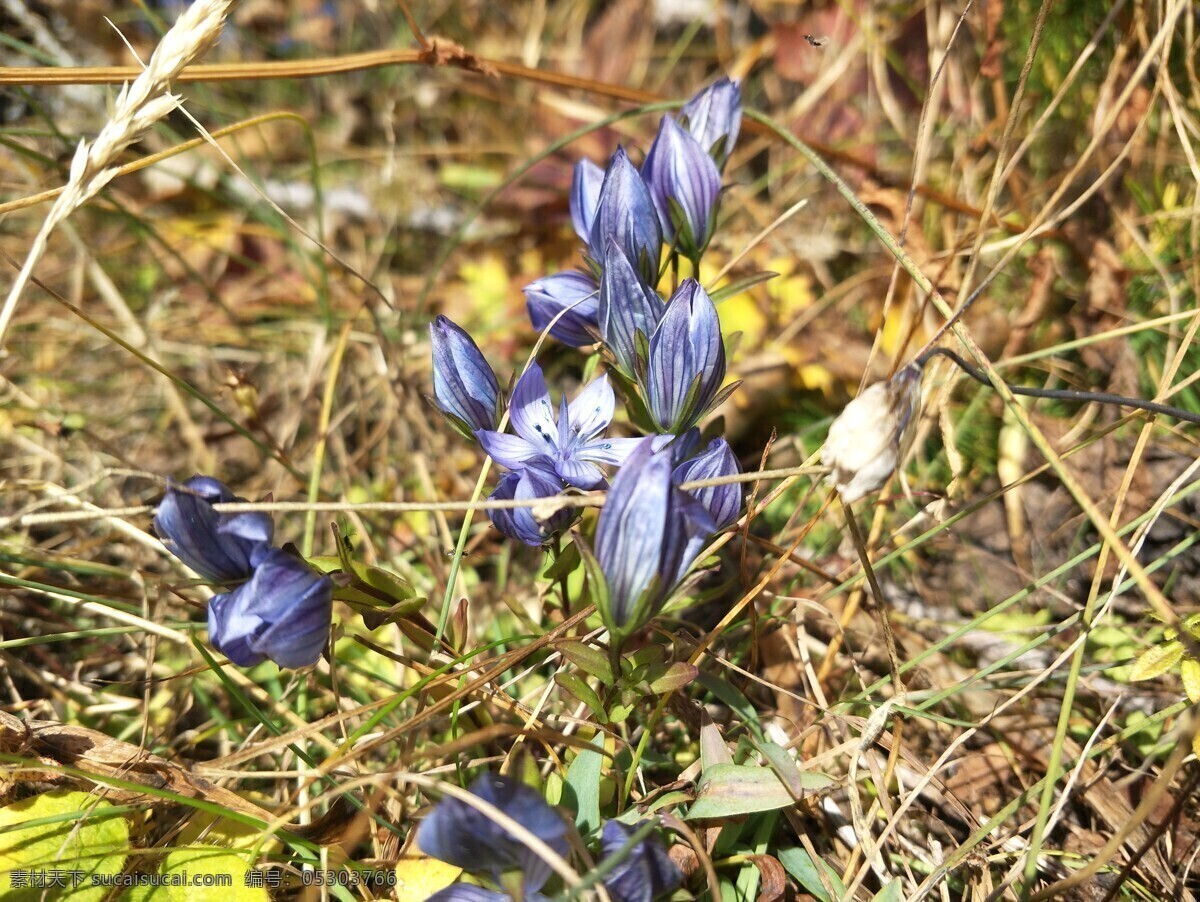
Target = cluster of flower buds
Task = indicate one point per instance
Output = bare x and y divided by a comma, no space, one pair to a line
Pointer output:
669,352
460,834
278,608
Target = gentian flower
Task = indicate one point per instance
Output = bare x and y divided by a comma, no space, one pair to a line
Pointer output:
687,360
585,193
648,535
684,183
464,387
537,479
645,873
219,547
872,434
574,446
714,117
625,212
723,502
573,292
283,613
629,311
460,834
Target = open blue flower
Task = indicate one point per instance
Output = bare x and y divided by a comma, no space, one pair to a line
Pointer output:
283,613
464,387
536,479
714,117
572,292
459,834
687,360
648,535
684,183
220,547
575,445
723,502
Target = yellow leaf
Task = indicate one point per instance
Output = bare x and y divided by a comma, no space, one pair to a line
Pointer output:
60,859
202,874
419,877
1156,661
1190,671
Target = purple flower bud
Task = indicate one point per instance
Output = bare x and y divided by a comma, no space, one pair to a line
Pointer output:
536,479
464,386
573,292
872,434
459,834
648,534
220,547
585,193
282,613
687,360
645,873
684,183
723,502
714,117
625,212
629,311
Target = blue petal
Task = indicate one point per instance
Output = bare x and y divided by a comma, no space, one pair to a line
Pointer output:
459,834
625,213
469,892
685,346
592,410
510,451
645,872
723,502
219,547
678,169
282,613
627,306
579,473
464,386
611,451
538,480
531,412
572,292
585,194
632,528
714,117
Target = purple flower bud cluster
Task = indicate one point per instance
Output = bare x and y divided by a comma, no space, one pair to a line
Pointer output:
278,607
666,356
458,833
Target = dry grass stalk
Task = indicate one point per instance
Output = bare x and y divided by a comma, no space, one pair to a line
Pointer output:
140,104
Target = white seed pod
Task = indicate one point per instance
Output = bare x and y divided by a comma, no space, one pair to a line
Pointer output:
872,434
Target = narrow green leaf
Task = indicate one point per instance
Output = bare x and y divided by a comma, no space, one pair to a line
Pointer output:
668,678
737,286
587,658
800,865
575,684
731,790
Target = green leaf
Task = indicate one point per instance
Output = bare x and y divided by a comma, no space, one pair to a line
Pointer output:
737,286
663,678
891,892
1156,661
578,687
69,832
563,565
1190,671
587,658
226,872
583,779
800,865
730,790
